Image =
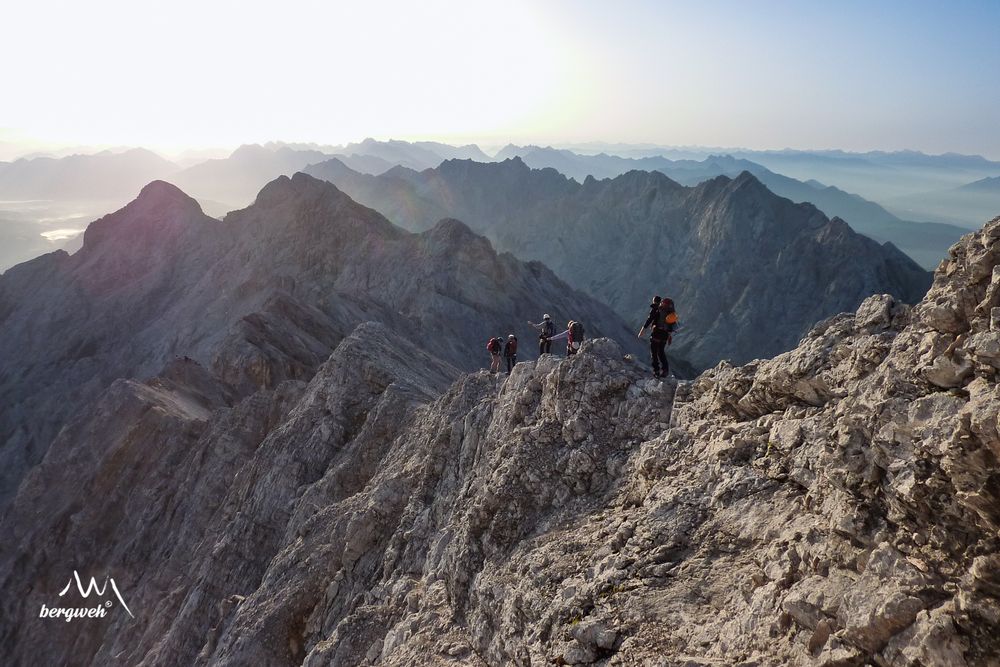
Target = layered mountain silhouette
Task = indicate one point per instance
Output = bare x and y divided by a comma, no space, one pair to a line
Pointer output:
100,176
414,155
228,183
927,243
984,185
257,299
879,175
962,204
223,184
749,270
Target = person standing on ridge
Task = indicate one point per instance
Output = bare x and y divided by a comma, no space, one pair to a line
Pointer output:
510,352
494,347
662,318
573,335
546,329
653,307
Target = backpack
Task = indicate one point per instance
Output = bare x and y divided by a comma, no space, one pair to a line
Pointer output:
666,317
576,332
548,329
493,346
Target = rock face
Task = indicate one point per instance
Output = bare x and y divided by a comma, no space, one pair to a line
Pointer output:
261,297
926,243
835,505
750,272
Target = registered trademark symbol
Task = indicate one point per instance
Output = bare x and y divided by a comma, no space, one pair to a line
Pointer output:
107,603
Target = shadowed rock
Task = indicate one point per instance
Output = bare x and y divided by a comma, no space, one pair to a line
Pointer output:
836,504
750,272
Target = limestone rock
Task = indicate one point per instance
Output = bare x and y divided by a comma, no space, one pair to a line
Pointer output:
829,506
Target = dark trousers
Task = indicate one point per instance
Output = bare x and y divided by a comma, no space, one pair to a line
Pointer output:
544,346
511,360
658,353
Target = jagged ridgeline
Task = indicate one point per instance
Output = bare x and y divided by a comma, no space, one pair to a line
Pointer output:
835,505
259,298
750,272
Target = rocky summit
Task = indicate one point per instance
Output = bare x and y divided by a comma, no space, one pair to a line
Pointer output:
835,505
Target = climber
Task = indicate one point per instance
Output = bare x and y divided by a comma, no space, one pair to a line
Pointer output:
495,346
653,308
510,352
573,335
546,328
663,319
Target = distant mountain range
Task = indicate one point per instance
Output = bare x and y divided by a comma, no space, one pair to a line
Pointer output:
726,250
94,183
99,176
978,200
234,181
224,183
415,155
890,178
876,175
913,185
925,242
991,185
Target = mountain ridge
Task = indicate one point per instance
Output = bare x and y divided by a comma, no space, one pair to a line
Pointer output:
925,242
260,297
641,233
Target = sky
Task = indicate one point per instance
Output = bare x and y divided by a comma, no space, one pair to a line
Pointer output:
756,74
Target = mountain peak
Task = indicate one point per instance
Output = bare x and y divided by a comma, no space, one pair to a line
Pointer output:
746,178
298,186
159,192
160,208
305,206
451,228
451,236
746,184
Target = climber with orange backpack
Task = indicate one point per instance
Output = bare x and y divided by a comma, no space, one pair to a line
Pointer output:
495,346
663,320
574,337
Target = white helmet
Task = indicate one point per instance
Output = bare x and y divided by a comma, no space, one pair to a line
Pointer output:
546,317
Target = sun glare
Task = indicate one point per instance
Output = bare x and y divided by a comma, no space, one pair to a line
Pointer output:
217,74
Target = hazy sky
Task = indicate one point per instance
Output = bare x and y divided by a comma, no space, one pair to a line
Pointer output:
185,73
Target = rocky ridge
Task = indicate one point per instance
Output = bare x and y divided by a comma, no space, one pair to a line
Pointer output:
263,296
750,271
834,505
